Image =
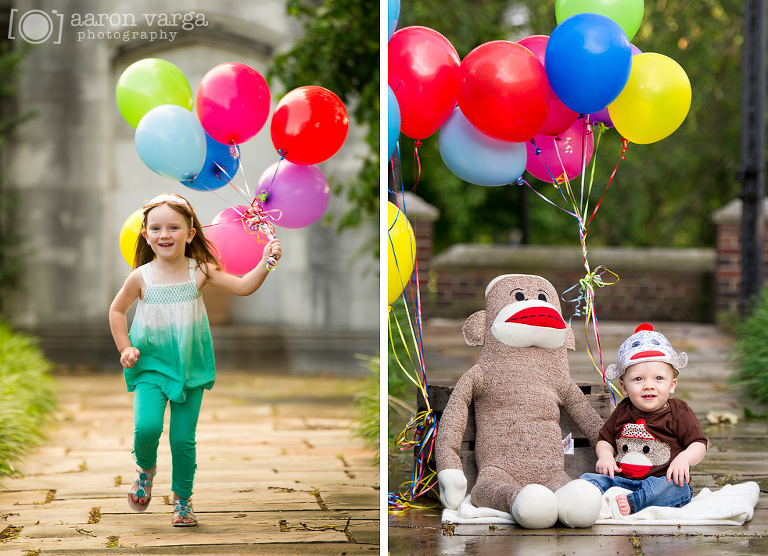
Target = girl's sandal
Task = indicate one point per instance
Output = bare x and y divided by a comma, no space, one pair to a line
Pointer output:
142,488
183,511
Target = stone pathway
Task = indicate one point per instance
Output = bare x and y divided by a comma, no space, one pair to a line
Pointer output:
279,472
737,453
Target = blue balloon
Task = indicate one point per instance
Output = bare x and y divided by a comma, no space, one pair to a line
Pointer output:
393,14
393,121
171,141
588,60
476,157
221,163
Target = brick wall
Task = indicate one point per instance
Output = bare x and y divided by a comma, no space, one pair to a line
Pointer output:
654,284
697,285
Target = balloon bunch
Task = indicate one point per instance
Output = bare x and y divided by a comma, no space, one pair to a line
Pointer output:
540,105
200,148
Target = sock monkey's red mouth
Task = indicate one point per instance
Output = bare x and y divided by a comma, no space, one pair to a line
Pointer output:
644,354
538,316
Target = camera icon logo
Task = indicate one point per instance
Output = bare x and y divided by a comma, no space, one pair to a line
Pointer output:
36,26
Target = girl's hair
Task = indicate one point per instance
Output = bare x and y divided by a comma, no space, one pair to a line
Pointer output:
201,249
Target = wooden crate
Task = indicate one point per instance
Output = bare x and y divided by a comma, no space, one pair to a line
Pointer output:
581,461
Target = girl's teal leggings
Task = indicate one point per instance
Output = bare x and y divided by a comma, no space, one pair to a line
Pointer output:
148,411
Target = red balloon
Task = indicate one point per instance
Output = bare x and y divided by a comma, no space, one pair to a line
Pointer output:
503,91
309,125
232,102
559,117
423,72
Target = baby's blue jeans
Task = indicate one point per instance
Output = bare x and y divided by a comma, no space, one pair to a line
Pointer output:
653,491
149,404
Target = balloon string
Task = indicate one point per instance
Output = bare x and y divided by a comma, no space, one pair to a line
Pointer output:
598,129
624,147
230,179
420,432
245,181
216,192
592,279
416,146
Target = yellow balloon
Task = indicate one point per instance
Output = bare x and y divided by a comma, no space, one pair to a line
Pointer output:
129,233
655,100
402,252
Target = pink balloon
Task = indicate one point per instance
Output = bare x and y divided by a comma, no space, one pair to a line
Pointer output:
296,194
568,146
559,117
238,249
232,102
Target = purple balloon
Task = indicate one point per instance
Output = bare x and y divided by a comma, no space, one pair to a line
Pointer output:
294,195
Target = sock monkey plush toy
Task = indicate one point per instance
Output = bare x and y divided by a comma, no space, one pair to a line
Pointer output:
519,384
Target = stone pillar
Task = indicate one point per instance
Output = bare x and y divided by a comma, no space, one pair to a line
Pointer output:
728,267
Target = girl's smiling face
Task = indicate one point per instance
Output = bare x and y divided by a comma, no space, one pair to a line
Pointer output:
167,232
649,385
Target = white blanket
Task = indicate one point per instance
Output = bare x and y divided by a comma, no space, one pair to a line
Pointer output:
731,505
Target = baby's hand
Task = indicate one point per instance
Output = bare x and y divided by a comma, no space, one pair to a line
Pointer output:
129,357
273,249
679,471
607,466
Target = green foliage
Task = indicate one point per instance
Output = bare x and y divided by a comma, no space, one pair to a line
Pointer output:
26,396
340,51
750,351
11,262
663,194
367,403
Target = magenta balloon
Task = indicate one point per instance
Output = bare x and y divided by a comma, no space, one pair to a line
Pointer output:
568,146
232,102
296,194
238,250
559,117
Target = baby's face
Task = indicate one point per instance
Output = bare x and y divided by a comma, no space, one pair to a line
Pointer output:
649,385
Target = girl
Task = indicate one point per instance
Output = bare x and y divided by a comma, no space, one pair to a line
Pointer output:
168,354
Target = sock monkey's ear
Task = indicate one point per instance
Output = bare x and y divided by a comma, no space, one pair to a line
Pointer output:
474,329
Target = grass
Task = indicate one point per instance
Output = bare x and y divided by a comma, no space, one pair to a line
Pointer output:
750,352
367,401
26,396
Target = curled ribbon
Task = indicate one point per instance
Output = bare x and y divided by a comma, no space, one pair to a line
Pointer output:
256,220
586,287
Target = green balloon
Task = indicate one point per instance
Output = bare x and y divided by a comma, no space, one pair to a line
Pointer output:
149,83
627,13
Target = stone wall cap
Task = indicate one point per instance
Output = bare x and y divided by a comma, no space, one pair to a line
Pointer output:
730,213
417,208
528,258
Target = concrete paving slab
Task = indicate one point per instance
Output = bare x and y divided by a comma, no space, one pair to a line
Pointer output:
276,475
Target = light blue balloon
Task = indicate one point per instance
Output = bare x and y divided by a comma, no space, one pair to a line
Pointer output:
477,158
393,14
171,141
393,121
